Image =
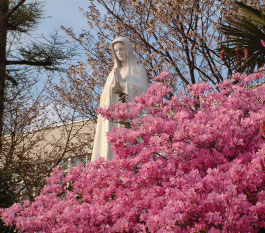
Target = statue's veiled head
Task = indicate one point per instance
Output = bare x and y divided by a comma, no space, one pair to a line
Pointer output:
120,51
124,47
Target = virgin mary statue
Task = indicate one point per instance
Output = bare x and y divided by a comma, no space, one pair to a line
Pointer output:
127,77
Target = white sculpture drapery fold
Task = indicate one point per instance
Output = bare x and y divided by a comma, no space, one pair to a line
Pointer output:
126,76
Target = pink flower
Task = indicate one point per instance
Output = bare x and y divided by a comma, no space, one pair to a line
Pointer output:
187,164
262,42
162,76
262,129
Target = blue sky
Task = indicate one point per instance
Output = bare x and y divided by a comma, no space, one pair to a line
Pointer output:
62,12
57,13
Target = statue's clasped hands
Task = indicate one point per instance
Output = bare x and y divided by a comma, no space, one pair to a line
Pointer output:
117,85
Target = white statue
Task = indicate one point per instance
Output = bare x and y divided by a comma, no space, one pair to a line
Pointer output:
127,76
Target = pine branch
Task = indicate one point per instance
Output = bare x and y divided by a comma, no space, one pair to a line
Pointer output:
30,63
15,8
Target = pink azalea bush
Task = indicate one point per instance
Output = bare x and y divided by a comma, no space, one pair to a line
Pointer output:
194,163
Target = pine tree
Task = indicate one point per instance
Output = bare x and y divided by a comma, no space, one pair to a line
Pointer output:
19,17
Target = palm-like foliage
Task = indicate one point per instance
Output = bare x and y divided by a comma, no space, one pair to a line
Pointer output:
244,34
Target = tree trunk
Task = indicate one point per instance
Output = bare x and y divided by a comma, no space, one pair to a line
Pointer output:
3,40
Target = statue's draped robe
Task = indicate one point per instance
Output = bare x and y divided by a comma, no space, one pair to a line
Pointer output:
134,83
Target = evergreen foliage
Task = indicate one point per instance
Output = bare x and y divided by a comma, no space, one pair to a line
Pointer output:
243,45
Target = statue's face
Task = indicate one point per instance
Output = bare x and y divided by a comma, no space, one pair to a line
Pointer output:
120,51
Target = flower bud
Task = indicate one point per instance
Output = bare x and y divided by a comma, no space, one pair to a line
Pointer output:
222,54
239,53
246,53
